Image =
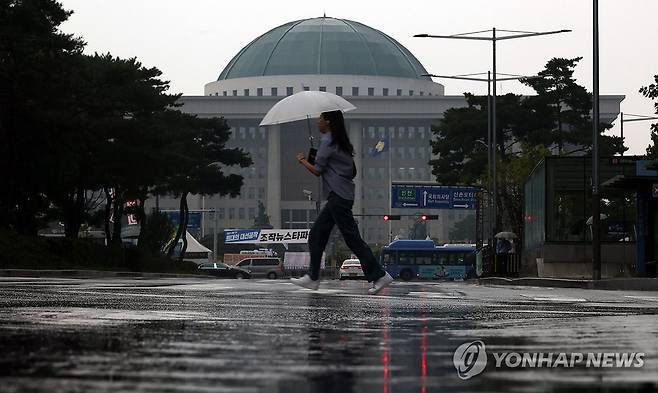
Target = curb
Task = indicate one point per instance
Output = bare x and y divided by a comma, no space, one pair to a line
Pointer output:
615,284
71,273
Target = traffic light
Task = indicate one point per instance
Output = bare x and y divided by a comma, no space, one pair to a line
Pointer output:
388,217
425,217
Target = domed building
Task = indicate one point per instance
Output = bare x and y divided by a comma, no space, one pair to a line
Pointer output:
373,71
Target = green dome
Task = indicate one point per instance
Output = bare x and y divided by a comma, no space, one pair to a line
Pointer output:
324,46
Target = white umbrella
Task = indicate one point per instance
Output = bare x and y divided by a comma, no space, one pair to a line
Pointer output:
505,235
305,105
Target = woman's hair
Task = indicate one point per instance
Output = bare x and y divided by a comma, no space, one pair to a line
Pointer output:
338,132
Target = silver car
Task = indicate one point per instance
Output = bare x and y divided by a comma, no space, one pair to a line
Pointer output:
262,267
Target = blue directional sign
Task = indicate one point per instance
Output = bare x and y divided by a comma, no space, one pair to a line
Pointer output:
419,196
193,222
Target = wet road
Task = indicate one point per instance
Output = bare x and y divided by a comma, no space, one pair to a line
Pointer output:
198,335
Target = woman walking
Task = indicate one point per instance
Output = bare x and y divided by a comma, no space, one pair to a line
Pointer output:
334,162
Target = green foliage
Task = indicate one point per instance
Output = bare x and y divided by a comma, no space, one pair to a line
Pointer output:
160,232
651,92
557,120
463,230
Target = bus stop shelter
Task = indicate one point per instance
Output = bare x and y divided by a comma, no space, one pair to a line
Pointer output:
558,222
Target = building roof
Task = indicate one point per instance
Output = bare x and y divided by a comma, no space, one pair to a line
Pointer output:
324,46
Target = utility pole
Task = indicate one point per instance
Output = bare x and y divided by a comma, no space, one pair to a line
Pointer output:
596,198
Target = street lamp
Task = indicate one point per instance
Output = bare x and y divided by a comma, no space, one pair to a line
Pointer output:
493,38
491,147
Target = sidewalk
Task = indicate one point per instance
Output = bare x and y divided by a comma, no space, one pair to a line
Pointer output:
72,273
620,284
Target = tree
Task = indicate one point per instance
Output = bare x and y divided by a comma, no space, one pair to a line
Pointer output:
34,56
651,91
197,168
557,119
464,230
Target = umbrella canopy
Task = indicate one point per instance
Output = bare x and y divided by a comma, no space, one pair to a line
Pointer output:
506,235
305,105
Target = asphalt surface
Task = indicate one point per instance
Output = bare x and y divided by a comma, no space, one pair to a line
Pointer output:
206,335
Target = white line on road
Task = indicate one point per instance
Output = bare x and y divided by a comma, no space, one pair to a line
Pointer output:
554,299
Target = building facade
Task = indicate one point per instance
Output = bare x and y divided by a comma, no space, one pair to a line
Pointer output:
394,102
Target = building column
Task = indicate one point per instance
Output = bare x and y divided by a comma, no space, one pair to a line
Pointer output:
274,175
356,137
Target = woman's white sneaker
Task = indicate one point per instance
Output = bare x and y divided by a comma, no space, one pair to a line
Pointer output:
306,282
380,284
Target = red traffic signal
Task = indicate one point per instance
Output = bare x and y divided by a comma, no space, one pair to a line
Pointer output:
425,217
388,217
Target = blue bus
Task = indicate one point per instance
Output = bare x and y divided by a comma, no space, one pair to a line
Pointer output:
409,259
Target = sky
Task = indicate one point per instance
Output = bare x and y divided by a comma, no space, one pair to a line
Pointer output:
192,41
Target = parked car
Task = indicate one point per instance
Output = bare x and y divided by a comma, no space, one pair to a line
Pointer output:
351,268
223,270
262,267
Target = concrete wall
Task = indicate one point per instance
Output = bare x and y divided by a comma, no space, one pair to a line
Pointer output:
575,260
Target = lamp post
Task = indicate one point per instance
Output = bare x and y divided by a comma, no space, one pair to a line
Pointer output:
596,197
493,38
491,147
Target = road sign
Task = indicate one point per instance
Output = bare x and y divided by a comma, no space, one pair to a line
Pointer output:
433,196
193,222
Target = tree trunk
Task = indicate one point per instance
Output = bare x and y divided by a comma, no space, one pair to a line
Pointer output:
141,219
118,214
186,218
108,215
74,208
181,228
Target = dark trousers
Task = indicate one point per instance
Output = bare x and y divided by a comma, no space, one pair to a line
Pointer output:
338,211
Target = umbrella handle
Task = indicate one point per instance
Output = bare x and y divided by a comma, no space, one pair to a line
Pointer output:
310,135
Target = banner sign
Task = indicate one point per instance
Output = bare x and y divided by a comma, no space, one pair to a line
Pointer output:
422,196
252,236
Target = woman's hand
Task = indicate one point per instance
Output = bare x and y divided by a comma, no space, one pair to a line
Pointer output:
300,157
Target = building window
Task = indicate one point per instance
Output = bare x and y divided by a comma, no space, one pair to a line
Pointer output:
411,92
261,193
241,213
222,213
235,93
339,90
371,91
306,88
421,132
231,213
421,93
252,213
399,92
252,193
355,91
371,132
385,92
259,91
289,91
243,133
421,153
401,132
274,92
323,88
224,93
261,152
252,133
382,172
412,153
246,92
412,173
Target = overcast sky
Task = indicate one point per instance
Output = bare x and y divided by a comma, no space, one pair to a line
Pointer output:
192,41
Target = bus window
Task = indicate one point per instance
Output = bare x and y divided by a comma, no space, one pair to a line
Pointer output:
424,258
458,259
442,258
388,259
406,257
